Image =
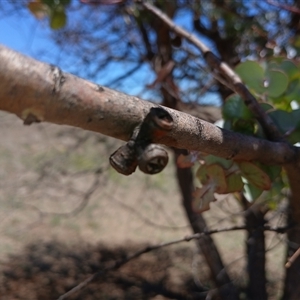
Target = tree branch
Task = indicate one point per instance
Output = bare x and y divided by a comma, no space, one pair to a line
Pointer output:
38,92
214,62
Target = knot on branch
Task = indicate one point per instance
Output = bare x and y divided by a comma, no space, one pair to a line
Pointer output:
140,151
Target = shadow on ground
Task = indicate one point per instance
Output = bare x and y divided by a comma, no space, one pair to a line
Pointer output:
47,270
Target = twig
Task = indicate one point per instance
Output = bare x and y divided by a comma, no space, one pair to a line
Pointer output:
83,203
292,259
124,75
289,8
224,70
119,263
143,218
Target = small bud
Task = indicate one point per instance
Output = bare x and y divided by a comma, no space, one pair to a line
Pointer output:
124,160
153,159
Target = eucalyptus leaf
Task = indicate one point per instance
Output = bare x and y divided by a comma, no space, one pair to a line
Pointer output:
217,178
252,73
255,175
58,19
290,69
212,159
251,192
234,183
286,121
201,174
276,82
235,108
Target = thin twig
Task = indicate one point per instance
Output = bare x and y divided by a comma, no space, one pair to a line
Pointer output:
224,70
83,203
119,263
143,218
292,259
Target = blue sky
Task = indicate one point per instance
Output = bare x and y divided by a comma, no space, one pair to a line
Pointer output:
24,33
27,35
32,37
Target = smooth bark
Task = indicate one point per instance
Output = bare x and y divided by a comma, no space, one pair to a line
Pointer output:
38,92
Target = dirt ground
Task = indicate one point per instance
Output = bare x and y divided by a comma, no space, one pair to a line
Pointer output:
65,213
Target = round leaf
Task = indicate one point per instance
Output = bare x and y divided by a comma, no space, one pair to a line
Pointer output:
234,108
252,75
251,192
65,2
284,120
212,159
234,183
277,82
266,106
58,19
292,92
272,171
255,175
290,69
244,126
202,174
217,177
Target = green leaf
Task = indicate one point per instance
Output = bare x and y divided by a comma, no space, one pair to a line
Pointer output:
235,108
58,19
255,175
292,92
50,3
266,106
65,2
290,69
272,171
252,75
212,159
201,174
56,3
288,122
234,183
272,83
251,192
217,178
213,175
244,126
276,82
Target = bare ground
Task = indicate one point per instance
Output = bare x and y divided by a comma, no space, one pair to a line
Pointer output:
64,213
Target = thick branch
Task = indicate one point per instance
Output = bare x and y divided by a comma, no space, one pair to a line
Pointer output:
37,92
